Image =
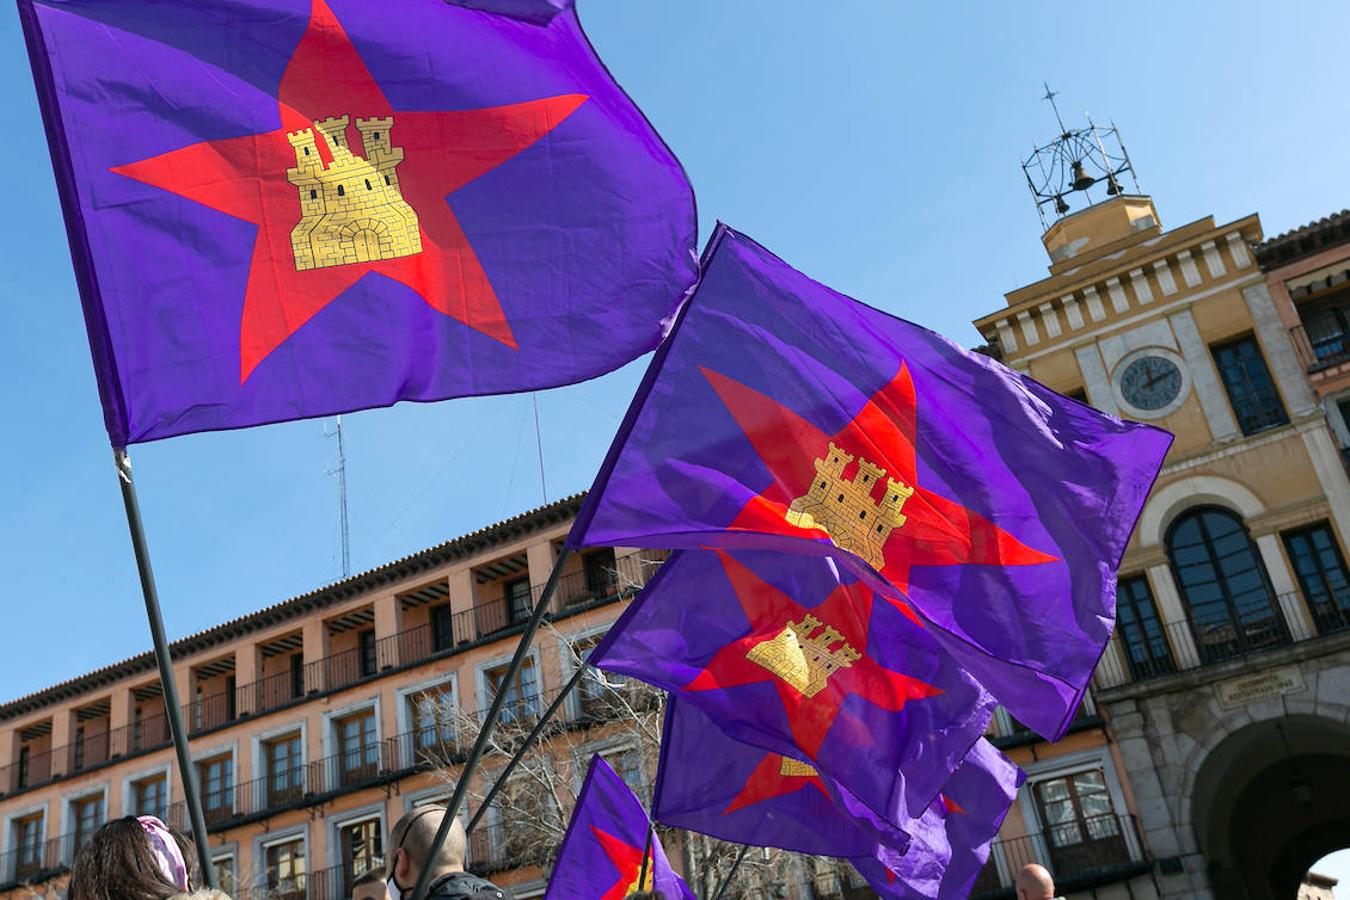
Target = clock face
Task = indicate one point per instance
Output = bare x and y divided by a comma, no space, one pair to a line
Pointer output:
1150,382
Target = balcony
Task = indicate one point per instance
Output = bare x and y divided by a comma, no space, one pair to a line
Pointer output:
30,865
333,883
1181,646
1083,854
496,847
1323,341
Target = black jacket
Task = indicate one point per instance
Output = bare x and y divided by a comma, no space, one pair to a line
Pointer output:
463,886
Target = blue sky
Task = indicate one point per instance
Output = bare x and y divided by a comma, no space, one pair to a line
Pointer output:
875,145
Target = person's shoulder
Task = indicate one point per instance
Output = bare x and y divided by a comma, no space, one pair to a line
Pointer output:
463,886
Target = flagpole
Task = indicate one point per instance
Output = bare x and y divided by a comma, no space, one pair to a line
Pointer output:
646,855
731,873
525,746
490,722
191,794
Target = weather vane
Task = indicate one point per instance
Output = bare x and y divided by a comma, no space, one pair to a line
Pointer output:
1076,162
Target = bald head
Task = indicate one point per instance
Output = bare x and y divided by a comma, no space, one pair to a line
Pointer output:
1035,883
414,834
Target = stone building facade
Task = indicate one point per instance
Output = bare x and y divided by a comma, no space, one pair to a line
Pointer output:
1226,691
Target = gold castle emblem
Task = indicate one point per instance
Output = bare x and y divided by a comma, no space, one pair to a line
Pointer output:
802,654
647,883
794,768
351,210
846,510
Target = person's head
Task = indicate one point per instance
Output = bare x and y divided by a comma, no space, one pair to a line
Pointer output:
411,839
1035,883
645,895
370,886
132,858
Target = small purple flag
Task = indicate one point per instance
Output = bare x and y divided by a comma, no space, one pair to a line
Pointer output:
715,785
781,414
601,854
289,208
789,654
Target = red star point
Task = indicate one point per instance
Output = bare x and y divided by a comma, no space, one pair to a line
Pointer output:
627,859
768,782
245,177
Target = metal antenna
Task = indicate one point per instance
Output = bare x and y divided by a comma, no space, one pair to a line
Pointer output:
539,445
1050,96
340,470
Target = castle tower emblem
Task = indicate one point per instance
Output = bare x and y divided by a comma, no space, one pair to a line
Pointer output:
351,210
793,768
846,509
803,655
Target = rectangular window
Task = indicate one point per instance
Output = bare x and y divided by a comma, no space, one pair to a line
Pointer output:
225,873
442,628
1141,632
285,765
362,850
522,694
27,842
87,814
366,641
358,749
1328,330
601,573
149,796
216,777
596,697
21,774
517,594
1081,827
1322,575
297,675
627,764
78,762
432,713
285,863
1251,391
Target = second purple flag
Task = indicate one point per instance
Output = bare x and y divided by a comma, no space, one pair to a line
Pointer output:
783,415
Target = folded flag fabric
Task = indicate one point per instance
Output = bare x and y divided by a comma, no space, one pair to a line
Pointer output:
290,208
713,784
794,655
781,414
601,854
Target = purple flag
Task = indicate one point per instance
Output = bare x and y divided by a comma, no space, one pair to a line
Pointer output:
781,414
789,654
713,784
601,854
290,208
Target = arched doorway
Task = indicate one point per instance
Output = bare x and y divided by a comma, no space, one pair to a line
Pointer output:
1228,596
1269,801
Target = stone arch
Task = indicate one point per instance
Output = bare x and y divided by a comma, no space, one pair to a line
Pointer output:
1171,500
1246,753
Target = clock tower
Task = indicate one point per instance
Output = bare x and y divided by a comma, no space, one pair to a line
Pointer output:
1226,625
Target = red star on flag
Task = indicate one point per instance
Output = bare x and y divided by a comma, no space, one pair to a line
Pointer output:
246,177
768,782
628,860
936,531
848,610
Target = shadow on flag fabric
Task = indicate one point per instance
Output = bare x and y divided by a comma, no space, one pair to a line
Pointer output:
781,414
791,654
710,783
289,208
601,854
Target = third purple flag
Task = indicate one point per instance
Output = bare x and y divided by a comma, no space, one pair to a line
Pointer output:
781,414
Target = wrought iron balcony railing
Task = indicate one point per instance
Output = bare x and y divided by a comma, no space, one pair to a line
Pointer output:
1082,853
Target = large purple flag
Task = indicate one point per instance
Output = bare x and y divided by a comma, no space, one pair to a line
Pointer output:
601,855
792,655
783,414
710,783
289,208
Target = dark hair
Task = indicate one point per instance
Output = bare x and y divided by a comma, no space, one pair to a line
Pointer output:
118,864
370,876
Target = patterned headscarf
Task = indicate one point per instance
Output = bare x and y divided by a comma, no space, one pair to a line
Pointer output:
167,853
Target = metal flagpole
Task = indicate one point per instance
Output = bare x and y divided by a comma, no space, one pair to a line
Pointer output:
524,747
191,793
726,882
490,722
646,855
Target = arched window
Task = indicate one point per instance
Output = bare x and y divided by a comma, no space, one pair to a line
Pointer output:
1224,584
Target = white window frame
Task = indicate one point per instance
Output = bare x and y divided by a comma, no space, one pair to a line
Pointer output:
14,815
582,760
271,839
404,695
480,677
230,851
351,817
330,718
260,740
1074,764
129,790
